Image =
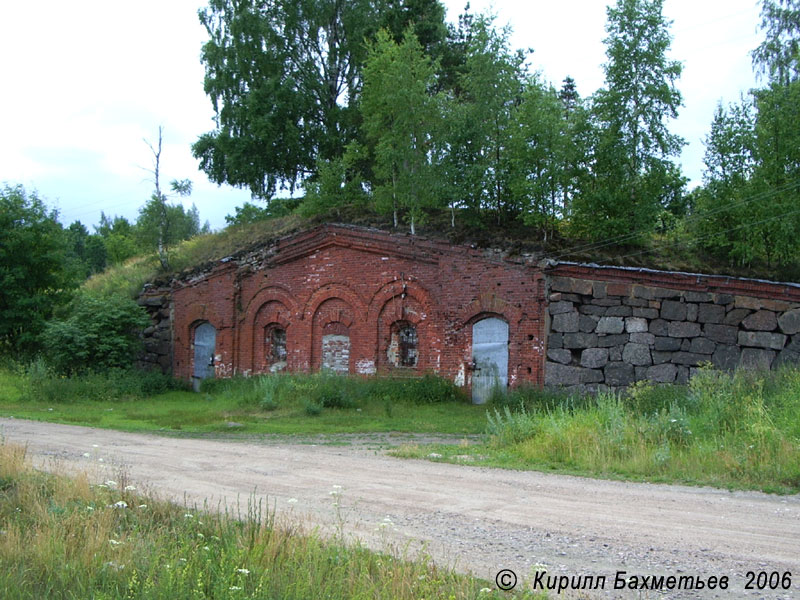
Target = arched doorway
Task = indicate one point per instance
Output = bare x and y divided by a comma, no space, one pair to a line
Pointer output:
205,342
489,358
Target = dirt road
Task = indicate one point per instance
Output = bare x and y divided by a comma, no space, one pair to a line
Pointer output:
480,520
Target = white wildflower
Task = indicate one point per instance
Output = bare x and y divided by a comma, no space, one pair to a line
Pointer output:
86,455
111,484
115,542
188,516
130,488
243,571
292,501
233,588
201,536
120,504
142,506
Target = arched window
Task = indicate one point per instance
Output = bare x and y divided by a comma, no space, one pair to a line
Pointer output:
402,350
275,351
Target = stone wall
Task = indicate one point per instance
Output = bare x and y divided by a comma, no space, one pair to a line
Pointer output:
157,336
610,327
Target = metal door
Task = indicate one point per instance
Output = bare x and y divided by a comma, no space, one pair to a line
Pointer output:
489,358
205,340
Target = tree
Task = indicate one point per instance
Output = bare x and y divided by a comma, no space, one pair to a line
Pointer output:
778,56
401,118
118,237
97,333
481,122
634,175
160,224
35,274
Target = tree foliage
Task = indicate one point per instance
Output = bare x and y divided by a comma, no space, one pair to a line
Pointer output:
634,177
35,272
96,334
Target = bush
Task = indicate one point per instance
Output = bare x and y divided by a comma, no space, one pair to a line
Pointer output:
98,333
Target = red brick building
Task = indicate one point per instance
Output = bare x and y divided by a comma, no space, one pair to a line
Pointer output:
362,301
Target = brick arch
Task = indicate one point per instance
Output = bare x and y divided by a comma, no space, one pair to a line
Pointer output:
194,315
394,288
330,291
489,304
272,312
249,356
265,295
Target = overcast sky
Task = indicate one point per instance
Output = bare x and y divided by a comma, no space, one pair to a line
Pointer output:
85,83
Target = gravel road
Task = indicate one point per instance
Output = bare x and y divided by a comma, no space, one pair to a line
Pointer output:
476,519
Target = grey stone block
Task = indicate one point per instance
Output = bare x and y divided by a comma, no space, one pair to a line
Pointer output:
587,323
606,301
562,356
636,302
698,297
683,329
702,345
557,308
636,325
659,327
580,340
723,299
789,322
691,312
666,293
643,338
682,377
558,374
710,313
762,339
667,344
555,340
787,357
663,373
619,374
610,325
673,311
637,354
590,309
645,313
615,353
565,322
723,334
757,358
689,358
661,357
726,358
606,341
594,358
574,286
619,311
735,316
762,320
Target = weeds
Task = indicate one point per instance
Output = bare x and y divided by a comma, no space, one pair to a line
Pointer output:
65,538
738,430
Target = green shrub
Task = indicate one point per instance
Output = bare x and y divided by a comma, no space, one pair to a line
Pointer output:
97,333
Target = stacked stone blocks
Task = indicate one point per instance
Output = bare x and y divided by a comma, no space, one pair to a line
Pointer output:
607,335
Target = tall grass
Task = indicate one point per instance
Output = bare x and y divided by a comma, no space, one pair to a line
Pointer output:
65,538
737,430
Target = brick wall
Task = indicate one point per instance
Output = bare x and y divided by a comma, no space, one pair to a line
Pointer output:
340,292
338,296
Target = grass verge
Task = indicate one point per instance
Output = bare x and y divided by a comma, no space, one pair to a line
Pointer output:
738,431
279,404
65,538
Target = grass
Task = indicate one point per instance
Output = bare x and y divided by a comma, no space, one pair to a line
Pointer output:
738,431
64,538
280,404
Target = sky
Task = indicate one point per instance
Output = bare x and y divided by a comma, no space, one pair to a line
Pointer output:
86,85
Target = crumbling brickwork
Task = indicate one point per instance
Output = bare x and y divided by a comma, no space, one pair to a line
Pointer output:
336,295
362,301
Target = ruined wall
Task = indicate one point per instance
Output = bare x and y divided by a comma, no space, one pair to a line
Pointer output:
157,337
346,297
609,327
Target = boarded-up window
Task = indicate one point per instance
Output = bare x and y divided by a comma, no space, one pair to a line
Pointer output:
336,353
402,350
275,339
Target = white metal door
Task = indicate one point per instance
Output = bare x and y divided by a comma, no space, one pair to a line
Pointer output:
205,341
490,358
